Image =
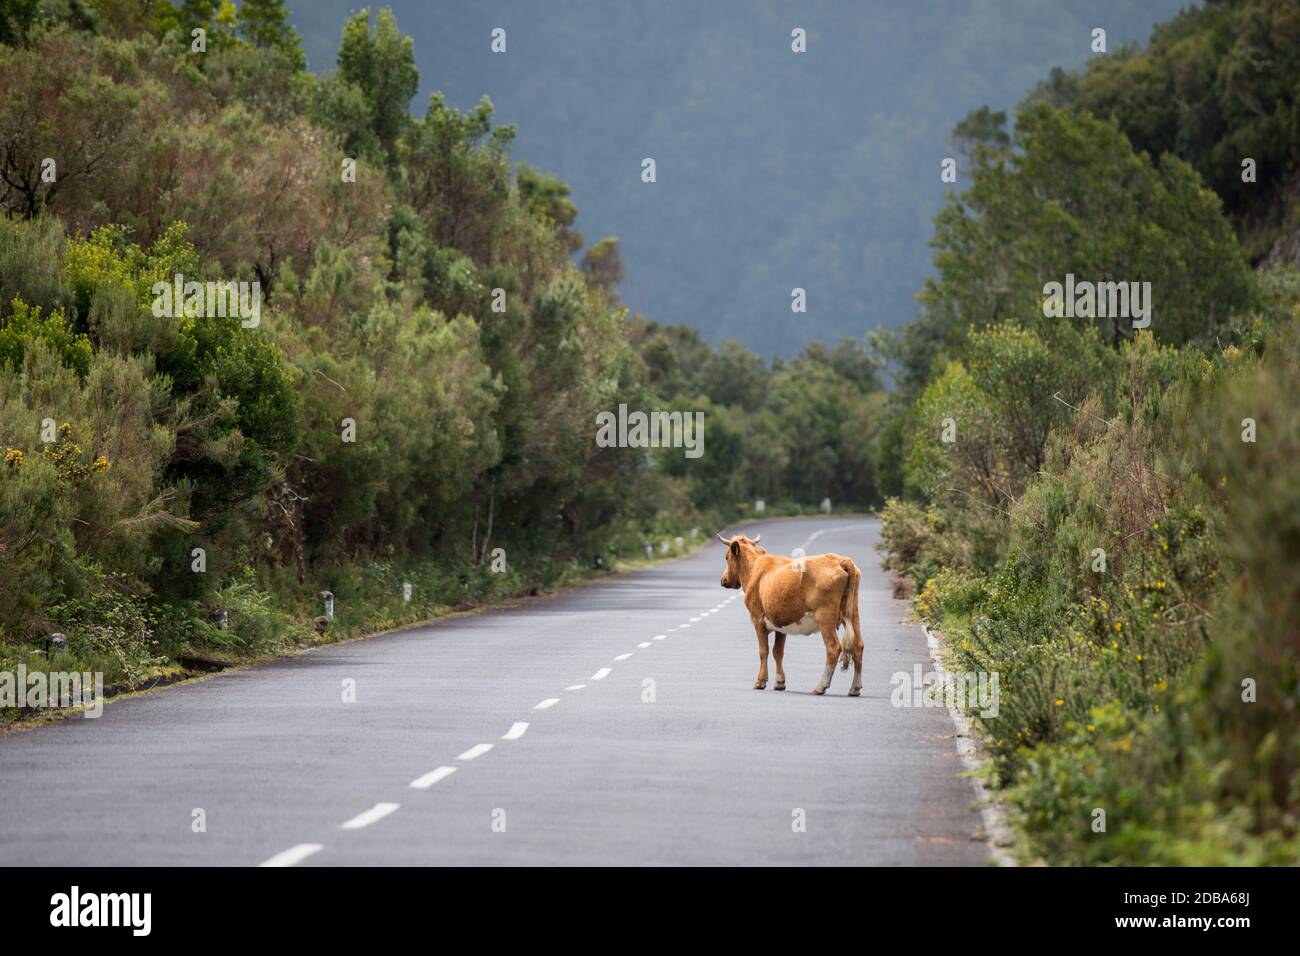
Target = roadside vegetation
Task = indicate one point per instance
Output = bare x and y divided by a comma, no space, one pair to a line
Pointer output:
1115,527
417,402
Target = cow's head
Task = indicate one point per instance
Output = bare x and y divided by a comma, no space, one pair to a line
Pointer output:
739,550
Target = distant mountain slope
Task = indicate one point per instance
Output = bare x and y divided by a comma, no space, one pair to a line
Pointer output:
775,170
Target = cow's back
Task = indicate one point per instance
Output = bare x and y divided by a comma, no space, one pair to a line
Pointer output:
788,595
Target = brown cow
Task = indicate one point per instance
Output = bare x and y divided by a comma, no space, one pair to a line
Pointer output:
818,593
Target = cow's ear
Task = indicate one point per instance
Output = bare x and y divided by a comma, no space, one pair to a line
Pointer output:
735,549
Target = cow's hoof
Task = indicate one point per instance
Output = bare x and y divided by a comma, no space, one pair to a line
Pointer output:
759,685
819,691
779,687
854,692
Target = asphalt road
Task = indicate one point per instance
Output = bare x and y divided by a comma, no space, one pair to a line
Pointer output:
708,771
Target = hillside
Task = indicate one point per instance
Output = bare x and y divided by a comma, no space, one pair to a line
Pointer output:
775,171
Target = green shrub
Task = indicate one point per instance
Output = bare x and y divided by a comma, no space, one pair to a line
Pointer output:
23,324
254,624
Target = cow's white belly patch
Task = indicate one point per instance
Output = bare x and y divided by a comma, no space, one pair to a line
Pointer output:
805,625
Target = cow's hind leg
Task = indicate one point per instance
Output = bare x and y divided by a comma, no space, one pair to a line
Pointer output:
832,642
858,648
778,652
761,681
856,688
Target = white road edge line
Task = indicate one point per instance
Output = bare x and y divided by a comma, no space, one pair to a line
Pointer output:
549,702
477,750
601,674
432,777
997,832
374,814
294,855
517,730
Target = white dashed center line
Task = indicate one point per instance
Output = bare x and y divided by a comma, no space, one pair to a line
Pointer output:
432,777
601,674
575,687
294,855
477,750
661,637
623,657
517,730
643,645
549,702
374,814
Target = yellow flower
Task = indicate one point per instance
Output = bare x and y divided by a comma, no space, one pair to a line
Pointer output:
100,465
1161,685
1091,727
1060,702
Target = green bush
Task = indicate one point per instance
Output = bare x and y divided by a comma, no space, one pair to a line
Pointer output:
23,324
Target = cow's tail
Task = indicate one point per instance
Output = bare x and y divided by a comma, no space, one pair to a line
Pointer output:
849,613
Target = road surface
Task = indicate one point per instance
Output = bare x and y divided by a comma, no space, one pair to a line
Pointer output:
654,747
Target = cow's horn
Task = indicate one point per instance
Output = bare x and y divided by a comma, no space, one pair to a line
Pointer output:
721,538
756,537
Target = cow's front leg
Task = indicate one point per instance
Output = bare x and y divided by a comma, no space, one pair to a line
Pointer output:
778,652
761,681
832,643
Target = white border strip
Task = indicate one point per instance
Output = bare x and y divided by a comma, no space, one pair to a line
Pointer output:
997,829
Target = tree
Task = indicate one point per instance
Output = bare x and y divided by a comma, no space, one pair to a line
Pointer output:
982,425
458,176
265,24
547,197
603,265
380,63
981,127
16,19
1073,198
84,120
